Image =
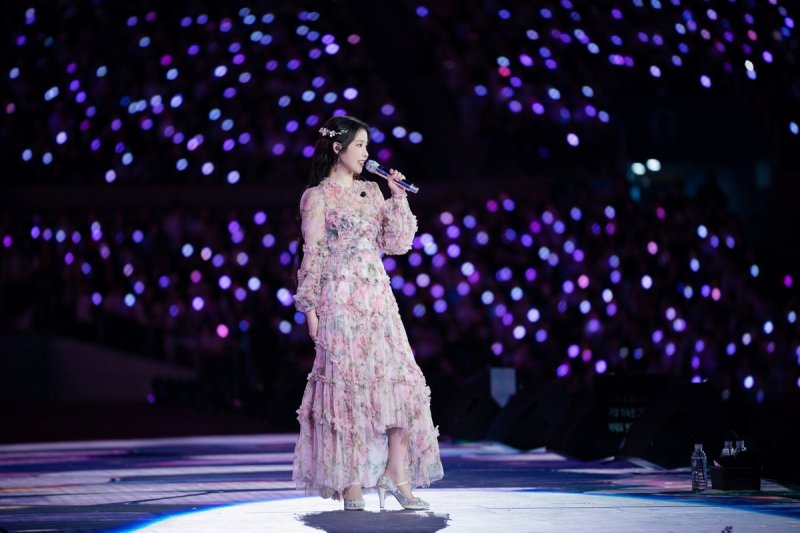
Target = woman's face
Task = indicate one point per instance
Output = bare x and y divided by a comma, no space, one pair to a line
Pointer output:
352,158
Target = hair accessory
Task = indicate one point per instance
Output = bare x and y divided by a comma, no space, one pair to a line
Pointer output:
330,133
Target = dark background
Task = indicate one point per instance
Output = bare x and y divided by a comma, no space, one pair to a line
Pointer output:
93,144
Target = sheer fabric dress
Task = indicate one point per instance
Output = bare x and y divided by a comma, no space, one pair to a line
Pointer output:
364,379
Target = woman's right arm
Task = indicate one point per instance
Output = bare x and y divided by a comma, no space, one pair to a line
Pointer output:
312,212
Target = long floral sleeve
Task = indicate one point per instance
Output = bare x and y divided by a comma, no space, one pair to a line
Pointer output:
312,211
398,225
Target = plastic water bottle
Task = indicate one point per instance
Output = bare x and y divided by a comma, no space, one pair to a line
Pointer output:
728,451
727,458
740,447
699,469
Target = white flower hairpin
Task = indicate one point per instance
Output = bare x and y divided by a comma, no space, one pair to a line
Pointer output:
330,133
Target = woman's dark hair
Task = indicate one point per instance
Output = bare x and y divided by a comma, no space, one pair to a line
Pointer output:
344,130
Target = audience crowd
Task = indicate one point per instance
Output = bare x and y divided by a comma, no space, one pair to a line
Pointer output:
202,92
98,92
570,286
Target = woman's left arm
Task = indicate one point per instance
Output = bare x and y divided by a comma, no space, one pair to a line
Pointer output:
398,223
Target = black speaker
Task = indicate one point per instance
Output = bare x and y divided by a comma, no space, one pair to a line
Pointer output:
686,414
575,432
781,460
530,417
596,424
470,413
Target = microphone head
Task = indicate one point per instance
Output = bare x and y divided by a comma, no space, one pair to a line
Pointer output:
372,166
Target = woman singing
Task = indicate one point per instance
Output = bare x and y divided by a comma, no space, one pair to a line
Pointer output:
365,419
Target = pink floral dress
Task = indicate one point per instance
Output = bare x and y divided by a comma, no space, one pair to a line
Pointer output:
364,379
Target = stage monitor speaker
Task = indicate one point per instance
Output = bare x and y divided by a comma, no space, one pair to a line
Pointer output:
688,413
596,423
574,432
470,413
781,460
531,415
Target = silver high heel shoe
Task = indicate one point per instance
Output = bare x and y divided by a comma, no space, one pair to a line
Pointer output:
356,504
414,503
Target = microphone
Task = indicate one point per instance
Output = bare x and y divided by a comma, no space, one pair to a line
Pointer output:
375,168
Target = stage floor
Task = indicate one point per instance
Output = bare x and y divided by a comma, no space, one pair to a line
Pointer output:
242,484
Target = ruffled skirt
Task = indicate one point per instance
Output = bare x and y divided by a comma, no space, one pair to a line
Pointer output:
364,381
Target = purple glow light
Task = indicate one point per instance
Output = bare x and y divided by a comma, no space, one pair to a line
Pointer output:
453,231
284,297
437,291
409,289
573,351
